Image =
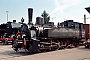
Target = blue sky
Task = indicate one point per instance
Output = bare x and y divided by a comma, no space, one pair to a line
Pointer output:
61,9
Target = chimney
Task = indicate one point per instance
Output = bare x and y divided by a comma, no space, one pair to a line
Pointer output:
30,13
84,19
14,21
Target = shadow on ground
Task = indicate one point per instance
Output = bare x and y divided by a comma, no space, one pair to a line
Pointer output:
83,48
16,54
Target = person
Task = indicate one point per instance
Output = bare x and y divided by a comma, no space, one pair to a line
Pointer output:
18,35
5,34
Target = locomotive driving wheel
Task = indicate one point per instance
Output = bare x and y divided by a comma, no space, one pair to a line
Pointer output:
57,45
42,50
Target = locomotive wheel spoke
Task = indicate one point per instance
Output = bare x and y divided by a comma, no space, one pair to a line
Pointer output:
56,47
42,50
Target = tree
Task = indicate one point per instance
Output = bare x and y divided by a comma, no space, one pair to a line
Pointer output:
45,16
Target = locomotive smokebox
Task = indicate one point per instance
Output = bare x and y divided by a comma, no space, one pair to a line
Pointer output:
30,14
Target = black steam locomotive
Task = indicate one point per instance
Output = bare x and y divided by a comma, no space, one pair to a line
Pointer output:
35,38
7,30
41,38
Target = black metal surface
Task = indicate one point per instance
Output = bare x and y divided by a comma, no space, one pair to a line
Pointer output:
30,14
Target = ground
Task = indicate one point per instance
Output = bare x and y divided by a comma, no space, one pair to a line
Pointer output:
79,53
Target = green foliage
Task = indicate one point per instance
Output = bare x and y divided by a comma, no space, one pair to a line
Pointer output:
45,16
